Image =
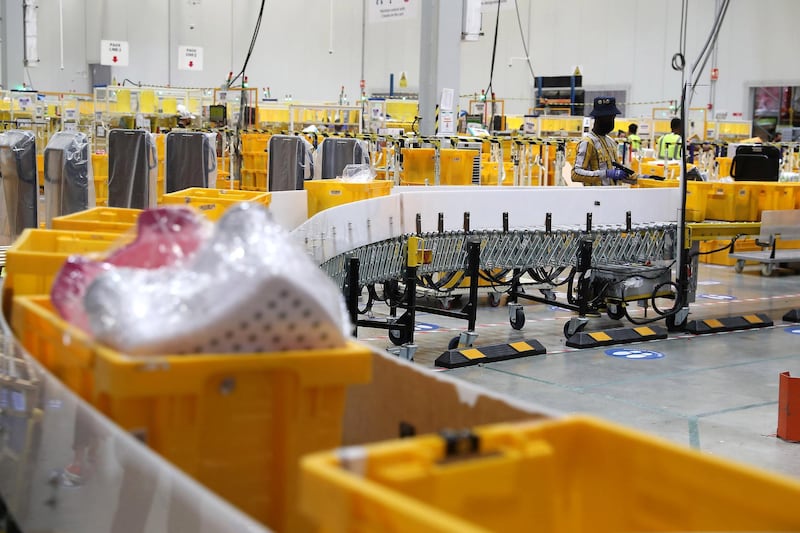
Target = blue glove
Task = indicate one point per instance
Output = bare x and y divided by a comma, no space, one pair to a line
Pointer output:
616,174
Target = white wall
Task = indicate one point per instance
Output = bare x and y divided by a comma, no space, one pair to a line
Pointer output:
619,44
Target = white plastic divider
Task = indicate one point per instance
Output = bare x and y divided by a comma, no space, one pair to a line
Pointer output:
289,208
526,207
340,229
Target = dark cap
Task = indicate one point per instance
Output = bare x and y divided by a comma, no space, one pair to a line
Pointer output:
605,106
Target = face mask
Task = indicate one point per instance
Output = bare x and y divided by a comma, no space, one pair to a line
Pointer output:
603,125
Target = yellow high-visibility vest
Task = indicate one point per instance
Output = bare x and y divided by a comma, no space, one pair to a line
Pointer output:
669,146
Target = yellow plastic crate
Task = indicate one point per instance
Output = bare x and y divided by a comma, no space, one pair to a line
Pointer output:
102,219
225,182
489,174
571,475
656,168
161,151
697,200
648,183
40,169
248,180
37,255
324,194
254,180
724,166
237,423
214,202
455,166
255,160
732,202
696,195
254,142
775,196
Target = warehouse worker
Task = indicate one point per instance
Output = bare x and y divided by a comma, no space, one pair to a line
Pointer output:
633,138
597,152
669,146
185,117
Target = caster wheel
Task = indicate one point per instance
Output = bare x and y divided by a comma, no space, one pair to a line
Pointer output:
548,294
453,344
570,330
494,298
766,269
398,337
518,321
739,266
615,311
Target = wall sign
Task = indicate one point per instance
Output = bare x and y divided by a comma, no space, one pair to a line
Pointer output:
190,58
114,53
389,10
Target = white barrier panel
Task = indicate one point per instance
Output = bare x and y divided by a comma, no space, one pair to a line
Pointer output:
526,207
289,208
343,228
339,229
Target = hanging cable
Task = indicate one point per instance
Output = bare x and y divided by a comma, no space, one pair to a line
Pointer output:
252,44
494,52
710,43
522,36
679,59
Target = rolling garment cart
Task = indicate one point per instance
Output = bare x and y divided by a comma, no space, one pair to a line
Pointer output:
68,181
132,171
337,153
191,160
20,181
290,163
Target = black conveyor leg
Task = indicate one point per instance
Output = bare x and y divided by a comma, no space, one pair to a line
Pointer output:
351,291
411,303
473,265
584,264
515,285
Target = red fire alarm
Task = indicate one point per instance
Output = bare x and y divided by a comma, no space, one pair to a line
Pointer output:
714,74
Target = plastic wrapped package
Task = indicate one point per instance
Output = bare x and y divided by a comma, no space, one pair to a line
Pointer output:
290,162
358,173
165,236
191,160
20,180
132,169
335,153
68,179
249,289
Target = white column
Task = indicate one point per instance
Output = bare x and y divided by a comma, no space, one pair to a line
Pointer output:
440,57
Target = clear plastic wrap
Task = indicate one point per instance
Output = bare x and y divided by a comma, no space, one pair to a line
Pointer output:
191,160
335,153
20,180
132,169
290,162
165,236
68,179
249,289
358,173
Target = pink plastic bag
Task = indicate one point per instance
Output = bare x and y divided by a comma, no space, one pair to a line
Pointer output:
165,236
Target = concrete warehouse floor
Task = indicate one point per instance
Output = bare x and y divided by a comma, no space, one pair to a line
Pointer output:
717,393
